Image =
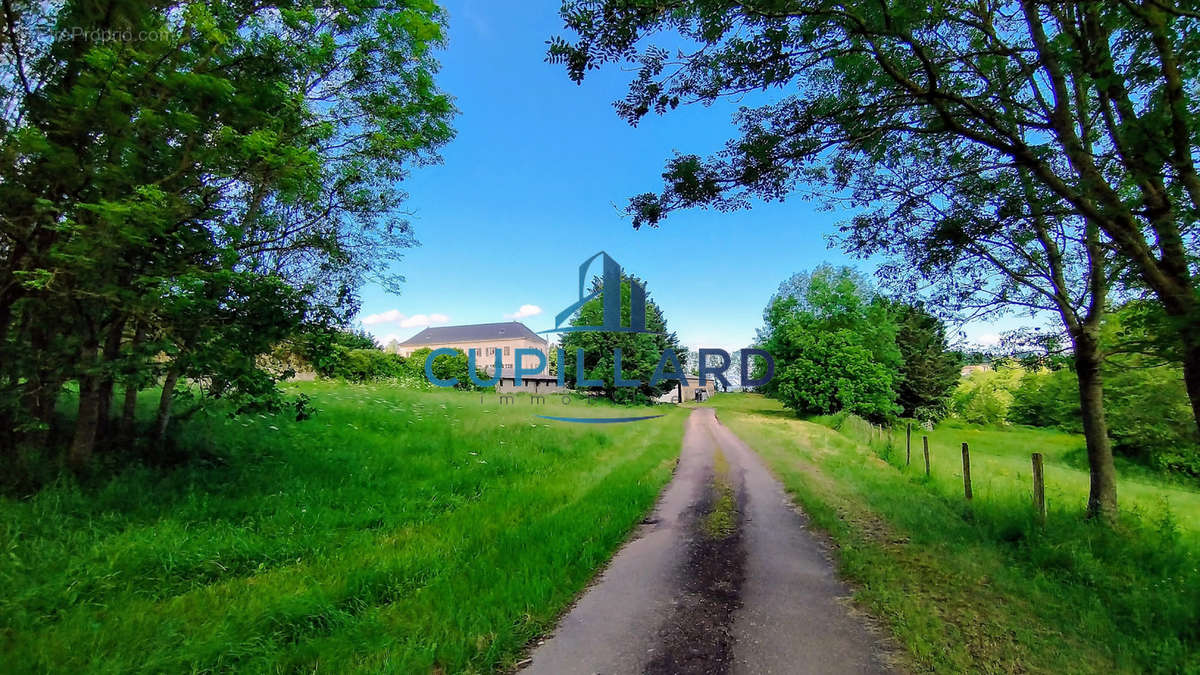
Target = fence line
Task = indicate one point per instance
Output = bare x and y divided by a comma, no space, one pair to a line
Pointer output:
1039,476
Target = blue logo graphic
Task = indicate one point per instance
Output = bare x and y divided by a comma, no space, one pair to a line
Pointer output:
599,420
610,289
610,294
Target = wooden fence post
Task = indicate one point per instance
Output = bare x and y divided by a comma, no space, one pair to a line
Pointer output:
925,440
908,445
1039,488
966,472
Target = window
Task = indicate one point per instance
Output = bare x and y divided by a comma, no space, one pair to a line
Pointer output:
491,351
507,351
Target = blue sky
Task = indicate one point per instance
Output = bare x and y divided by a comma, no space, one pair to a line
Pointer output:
532,184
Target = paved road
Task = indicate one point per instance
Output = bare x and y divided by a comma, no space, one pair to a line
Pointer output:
763,600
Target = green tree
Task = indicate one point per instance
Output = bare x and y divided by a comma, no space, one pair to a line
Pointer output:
929,371
323,348
834,345
1145,393
985,397
1091,99
640,352
1149,414
445,367
1081,108
1048,398
151,184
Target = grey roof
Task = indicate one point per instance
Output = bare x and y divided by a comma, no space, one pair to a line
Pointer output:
507,330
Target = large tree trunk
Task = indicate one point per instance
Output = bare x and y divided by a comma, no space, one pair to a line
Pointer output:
163,420
40,390
1191,369
8,440
47,403
86,423
1175,291
129,406
112,349
1102,499
128,414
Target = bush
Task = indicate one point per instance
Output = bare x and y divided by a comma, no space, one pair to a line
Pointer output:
1150,417
1047,398
984,397
1145,404
829,373
444,367
362,365
325,351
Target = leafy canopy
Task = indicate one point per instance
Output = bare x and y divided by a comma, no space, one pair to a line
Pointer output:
640,352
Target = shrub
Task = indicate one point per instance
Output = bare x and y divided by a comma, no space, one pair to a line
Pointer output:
829,372
444,367
362,365
1047,398
1145,404
1150,417
984,397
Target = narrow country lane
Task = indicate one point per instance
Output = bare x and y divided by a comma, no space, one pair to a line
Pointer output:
724,577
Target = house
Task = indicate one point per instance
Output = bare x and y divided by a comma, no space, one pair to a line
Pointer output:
693,391
487,339
975,368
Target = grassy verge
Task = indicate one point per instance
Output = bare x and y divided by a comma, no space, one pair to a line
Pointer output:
393,532
980,587
722,517
1000,466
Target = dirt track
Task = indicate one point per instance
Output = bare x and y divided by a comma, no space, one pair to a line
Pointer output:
760,598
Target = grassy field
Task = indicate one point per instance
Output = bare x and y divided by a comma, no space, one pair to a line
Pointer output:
393,532
980,587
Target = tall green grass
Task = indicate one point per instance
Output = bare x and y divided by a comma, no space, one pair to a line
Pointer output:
1001,467
979,586
394,532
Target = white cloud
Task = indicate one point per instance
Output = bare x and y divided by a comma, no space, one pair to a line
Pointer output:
524,311
389,316
421,320
395,316
987,339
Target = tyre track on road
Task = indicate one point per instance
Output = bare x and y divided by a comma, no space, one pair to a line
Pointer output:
762,599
